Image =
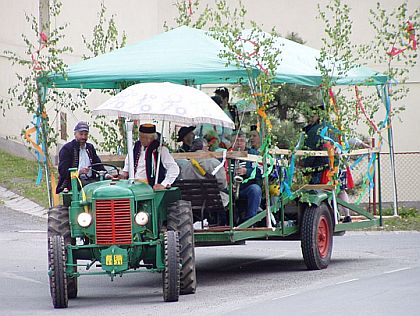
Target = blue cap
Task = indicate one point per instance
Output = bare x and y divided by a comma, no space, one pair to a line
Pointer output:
81,127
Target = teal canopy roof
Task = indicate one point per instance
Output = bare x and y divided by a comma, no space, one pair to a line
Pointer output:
187,55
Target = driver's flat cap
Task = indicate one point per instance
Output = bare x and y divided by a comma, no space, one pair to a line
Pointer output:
81,127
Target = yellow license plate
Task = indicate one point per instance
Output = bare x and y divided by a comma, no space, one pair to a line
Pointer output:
114,260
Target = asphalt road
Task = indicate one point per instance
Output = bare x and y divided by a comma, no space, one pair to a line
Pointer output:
371,273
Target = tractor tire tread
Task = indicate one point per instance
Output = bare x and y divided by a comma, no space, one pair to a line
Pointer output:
179,218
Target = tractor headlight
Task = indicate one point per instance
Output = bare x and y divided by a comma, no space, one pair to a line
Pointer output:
84,219
141,218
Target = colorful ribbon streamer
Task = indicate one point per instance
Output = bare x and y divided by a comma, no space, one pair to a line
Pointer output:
75,175
266,156
342,149
41,157
253,53
359,105
35,55
412,42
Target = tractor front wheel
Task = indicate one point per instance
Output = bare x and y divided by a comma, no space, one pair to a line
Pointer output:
317,237
57,271
171,273
180,219
59,225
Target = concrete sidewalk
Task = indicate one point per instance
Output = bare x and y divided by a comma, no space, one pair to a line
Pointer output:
21,204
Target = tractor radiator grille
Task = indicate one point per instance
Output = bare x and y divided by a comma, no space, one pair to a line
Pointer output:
113,222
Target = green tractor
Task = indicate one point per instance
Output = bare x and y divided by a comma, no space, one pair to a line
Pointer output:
122,226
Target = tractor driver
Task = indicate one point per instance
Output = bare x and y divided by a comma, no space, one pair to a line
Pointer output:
146,157
78,154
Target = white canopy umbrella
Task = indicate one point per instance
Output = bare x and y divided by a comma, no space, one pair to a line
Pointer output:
166,102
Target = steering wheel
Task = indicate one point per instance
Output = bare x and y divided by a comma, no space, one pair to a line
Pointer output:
109,169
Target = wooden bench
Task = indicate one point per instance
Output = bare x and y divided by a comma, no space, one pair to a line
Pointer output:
204,197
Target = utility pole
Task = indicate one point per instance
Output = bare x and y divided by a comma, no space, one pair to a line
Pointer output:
44,29
44,17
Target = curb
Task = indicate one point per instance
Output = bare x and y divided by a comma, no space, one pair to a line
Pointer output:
21,204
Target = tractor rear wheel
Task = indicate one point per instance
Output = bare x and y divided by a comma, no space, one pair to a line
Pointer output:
59,225
180,219
171,273
317,237
57,271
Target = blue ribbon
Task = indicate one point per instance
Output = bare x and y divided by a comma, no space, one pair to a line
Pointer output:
358,160
323,134
369,174
291,169
38,155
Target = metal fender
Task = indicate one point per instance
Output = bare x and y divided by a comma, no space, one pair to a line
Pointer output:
312,197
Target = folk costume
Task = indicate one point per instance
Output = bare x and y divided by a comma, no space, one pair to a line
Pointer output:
145,161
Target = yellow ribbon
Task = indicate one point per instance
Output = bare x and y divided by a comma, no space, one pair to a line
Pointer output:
28,134
75,175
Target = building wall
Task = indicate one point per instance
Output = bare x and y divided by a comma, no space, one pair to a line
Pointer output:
144,18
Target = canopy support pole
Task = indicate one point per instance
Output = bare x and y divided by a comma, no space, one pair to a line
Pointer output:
129,128
391,150
159,153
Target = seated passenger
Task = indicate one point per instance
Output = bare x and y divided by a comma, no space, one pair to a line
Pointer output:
251,190
222,133
145,160
213,141
203,169
186,136
255,139
313,141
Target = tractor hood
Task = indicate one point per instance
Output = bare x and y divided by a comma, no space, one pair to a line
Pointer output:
120,189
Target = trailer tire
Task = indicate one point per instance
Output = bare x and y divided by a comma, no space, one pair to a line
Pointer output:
57,271
59,225
180,219
171,273
317,237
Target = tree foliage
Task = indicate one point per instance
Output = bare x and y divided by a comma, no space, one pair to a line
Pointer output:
338,56
392,36
250,49
106,38
43,55
105,35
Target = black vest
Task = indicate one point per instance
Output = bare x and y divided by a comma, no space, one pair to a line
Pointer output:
151,152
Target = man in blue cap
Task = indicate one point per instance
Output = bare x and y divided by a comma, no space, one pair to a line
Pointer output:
77,154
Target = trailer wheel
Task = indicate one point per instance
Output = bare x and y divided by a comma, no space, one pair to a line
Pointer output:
180,219
57,271
59,225
171,273
317,237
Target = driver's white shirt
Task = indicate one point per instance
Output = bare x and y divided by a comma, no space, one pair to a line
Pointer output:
172,169
84,161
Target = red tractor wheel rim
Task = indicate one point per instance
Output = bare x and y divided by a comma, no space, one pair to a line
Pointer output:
323,237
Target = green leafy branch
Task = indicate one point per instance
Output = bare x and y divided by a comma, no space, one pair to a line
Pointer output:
391,33
106,38
38,60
